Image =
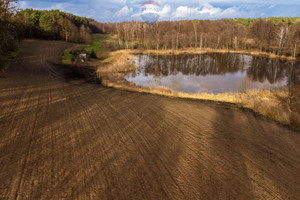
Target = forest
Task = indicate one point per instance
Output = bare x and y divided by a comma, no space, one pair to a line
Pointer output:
277,35
16,24
55,25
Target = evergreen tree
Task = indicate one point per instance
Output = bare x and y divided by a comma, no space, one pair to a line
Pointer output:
93,55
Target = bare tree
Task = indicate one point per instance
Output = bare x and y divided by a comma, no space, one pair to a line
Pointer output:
281,36
145,34
201,40
119,34
177,41
219,39
262,34
195,23
126,34
132,31
296,40
235,42
157,35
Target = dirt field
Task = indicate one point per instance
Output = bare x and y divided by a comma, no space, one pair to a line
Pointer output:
64,138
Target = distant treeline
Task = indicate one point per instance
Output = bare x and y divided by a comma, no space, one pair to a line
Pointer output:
275,20
278,35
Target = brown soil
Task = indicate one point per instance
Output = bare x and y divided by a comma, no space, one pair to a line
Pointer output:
64,138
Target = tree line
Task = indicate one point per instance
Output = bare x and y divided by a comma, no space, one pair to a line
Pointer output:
279,36
54,24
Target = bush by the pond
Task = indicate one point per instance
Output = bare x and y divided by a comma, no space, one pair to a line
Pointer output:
93,54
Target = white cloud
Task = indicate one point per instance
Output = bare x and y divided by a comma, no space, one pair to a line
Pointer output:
124,12
165,12
272,6
210,10
184,11
23,4
206,11
120,10
231,12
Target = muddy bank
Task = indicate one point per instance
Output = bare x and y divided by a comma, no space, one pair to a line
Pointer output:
279,105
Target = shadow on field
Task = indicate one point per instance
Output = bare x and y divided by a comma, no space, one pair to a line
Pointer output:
294,100
230,157
73,72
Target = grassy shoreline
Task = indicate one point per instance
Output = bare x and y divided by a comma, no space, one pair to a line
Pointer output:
207,50
276,104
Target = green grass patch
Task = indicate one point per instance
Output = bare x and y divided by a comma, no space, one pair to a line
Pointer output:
102,36
114,36
96,36
96,45
112,42
68,57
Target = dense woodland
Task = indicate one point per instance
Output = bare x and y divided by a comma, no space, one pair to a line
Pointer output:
55,24
9,33
280,35
17,24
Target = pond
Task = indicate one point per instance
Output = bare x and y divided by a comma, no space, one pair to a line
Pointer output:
213,72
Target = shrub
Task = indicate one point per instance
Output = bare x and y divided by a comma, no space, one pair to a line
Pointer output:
93,54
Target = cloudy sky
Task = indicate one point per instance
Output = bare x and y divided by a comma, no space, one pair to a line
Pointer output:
127,10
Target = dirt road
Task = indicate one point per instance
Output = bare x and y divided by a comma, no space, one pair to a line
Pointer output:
64,138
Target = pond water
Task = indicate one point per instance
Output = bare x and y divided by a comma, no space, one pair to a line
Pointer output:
213,73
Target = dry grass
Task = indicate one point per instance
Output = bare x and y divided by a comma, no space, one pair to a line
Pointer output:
118,61
203,51
112,69
280,105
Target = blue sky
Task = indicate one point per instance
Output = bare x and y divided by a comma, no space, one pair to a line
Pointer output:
127,10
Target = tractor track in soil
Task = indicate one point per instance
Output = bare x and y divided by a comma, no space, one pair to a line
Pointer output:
62,137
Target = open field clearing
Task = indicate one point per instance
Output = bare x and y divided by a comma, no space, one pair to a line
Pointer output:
64,138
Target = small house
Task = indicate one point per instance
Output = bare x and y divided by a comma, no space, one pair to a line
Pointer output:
82,56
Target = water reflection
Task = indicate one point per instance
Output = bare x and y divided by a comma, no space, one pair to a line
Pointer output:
213,73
